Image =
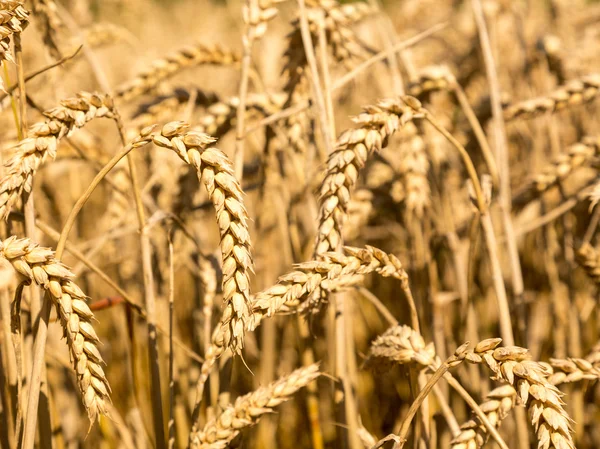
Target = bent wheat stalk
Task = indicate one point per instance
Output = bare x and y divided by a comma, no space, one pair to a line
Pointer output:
37,264
216,172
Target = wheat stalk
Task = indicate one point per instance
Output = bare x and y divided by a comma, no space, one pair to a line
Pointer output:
42,142
340,38
248,409
37,264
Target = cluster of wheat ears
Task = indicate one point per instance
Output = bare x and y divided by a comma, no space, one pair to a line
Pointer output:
354,289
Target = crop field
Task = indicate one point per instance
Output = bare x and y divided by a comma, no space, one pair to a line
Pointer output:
299,224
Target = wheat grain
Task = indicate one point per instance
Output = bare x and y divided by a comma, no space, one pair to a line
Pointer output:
216,172
502,400
37,264
588,258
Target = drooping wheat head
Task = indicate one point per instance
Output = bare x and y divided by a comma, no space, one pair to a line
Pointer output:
38,265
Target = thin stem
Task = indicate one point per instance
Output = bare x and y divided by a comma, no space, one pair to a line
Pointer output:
38,72
70,221
347,78
503,309
472,403
13,104
412,411
317,92
385,54
592,226
247,40
171,423
481,203
486,151
21,84
150,300
35,379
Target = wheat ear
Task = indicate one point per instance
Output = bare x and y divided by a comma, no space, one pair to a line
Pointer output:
166,67
333,271
402,344
376,125
42,142
576,155
248,409
13,19
215,171
37,264
573,93
502,400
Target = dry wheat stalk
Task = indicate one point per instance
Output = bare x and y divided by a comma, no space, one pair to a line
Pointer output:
376,125
42,142
342,41
13,19
576,155
511,364
37,264
574,92
166,67
247,410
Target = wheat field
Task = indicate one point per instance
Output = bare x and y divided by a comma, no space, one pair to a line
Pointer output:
299,224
